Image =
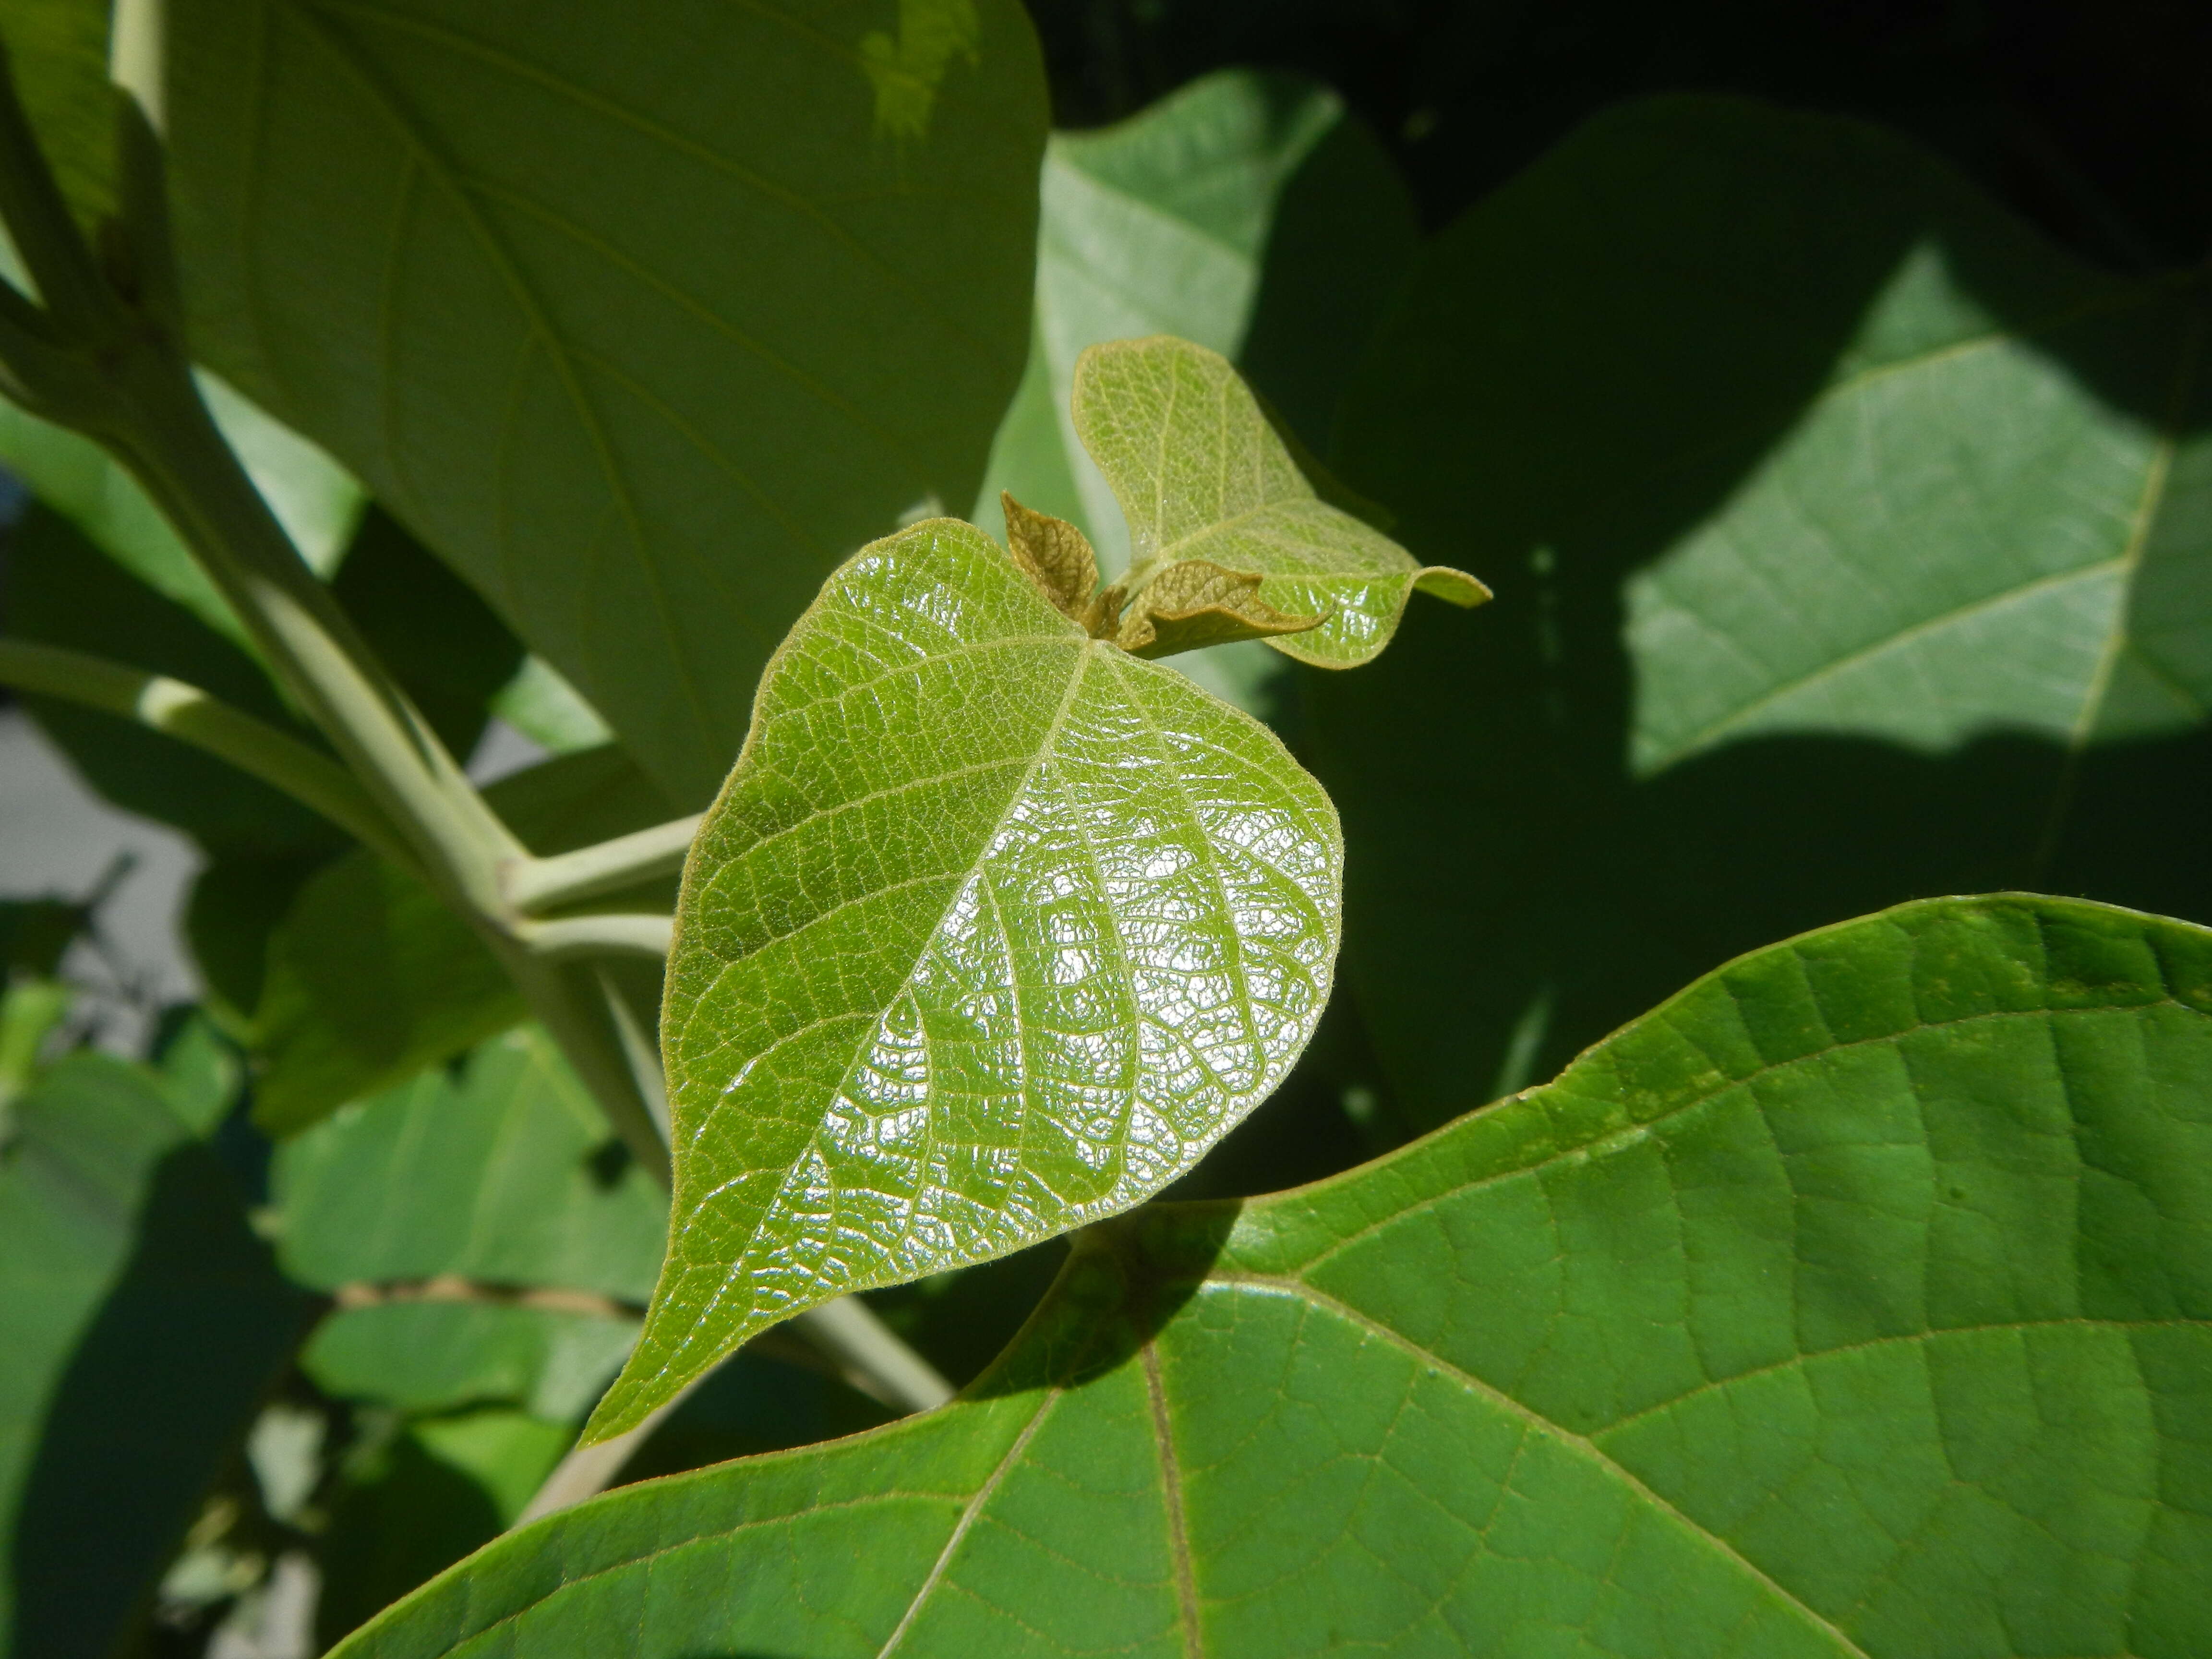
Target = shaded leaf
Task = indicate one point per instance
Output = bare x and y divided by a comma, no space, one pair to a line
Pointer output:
1201,475
62,590
1850,1303
496,1171
754,1402
371,977
643,341
424,1497
144,1323
430,632
1832,514
311,496
57,50
431,1355
993,930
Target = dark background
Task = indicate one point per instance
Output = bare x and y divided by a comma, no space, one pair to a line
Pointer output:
2095,120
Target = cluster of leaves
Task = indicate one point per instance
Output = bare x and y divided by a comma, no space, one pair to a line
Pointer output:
1851,543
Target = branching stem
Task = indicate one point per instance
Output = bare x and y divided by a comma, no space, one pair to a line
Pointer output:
187,713
536,885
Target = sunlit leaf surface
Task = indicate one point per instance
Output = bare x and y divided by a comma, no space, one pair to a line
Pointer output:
1853,1303
1201,475
993,931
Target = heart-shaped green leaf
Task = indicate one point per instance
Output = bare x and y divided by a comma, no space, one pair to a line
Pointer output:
1200,474
1853,1303
993,930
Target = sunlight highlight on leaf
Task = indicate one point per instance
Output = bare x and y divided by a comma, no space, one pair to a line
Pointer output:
993,932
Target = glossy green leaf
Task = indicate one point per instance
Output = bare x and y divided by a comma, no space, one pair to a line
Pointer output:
1856,1302
144,1323
370,977
1201,475
1849,542
499,1170
993,931
642,320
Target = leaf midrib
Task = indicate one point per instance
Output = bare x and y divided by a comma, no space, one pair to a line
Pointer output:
741,1257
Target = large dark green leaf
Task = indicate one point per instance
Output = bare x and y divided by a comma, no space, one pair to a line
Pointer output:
143,1321
994,930
643,319
1857,1302
1850,546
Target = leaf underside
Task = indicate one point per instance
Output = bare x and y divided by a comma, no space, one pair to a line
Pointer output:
1852,1302
642,340
993,931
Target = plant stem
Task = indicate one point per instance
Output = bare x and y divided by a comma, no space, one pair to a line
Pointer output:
184,712
623,934
849,1332
538,885
176,451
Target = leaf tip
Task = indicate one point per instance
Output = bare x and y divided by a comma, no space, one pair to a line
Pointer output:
1453,587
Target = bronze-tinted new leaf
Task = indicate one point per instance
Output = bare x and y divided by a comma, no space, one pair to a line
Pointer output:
1198,602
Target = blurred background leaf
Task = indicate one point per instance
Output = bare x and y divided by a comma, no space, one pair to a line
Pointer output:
144,1323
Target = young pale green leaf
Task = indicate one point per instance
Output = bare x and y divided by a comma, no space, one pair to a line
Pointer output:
1201,475
1851,1305
1849,540
1156,225
642,317
993,930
